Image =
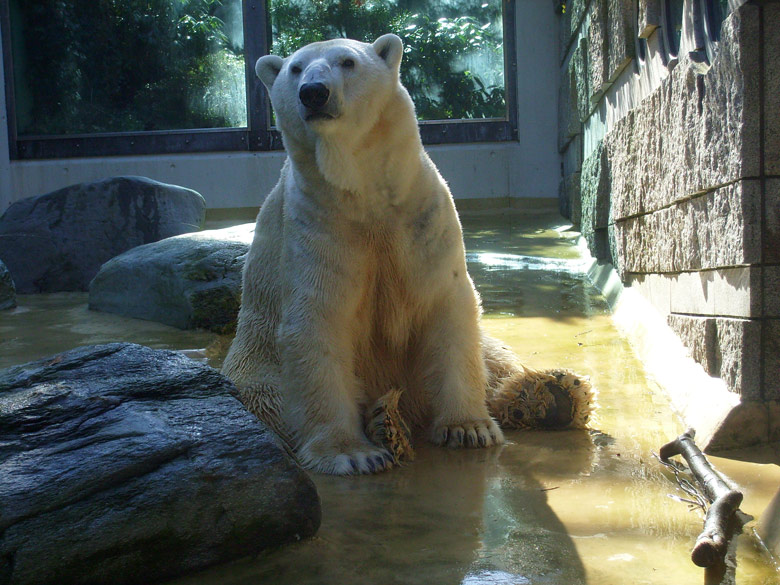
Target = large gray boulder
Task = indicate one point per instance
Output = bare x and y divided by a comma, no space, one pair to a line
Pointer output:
7,289
188,281
58,241
122,464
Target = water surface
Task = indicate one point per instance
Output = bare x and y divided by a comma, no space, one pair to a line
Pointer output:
557,508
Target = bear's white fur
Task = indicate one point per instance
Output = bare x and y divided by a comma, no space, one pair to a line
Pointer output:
356,280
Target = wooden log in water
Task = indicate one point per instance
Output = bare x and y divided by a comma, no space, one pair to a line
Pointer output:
713,542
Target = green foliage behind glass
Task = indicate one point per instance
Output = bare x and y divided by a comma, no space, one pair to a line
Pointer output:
121,65
87,66
453,55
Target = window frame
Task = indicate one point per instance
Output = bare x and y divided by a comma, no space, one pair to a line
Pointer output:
259,135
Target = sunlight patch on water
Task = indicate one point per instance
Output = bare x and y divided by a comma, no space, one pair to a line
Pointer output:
494,578
493,260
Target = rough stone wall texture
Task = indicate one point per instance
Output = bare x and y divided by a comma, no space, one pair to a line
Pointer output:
620,36
698,131
569,197
720,228
700,335
771,26
726,348
571,21
597,48
770,246
648,17
573,99
682,192
771,359
611,44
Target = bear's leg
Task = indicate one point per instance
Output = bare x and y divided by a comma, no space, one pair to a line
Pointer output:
322,402
455,377
322,396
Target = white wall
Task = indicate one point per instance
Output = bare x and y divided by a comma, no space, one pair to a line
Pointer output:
527,168
244,179
536,168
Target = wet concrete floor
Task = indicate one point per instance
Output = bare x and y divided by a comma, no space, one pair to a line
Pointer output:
557,508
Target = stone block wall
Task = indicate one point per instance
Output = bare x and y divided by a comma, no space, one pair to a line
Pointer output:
679,184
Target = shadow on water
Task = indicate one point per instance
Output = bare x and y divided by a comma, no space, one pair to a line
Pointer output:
472,517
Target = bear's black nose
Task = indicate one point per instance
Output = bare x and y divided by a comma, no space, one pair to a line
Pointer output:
314,95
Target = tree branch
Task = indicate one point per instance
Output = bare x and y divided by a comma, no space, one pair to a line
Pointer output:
712,544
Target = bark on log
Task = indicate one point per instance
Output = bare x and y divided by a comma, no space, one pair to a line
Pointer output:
712,544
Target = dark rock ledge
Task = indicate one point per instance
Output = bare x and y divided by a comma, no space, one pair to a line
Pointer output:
122,464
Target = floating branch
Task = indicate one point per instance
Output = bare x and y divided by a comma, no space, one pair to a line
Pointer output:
713,542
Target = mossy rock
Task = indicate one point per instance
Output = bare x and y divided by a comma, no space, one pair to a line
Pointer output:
189,281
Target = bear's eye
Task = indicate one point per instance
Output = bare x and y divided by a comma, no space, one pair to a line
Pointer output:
348,63
295,70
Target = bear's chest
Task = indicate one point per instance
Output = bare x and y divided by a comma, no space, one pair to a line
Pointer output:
392,293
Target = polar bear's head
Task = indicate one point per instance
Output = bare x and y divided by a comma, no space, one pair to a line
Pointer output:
332,88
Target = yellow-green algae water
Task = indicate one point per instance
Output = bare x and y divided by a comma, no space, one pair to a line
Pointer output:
557,508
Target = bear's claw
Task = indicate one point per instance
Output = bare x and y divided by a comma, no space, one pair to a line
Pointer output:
362,463
477,434
363,459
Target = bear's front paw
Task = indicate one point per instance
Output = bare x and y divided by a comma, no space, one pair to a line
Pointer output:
480,433
361,459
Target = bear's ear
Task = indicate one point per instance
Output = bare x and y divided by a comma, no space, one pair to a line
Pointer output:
268,68
390,48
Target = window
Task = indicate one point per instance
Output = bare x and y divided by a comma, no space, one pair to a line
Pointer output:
90,66
672,14
641,43
715,12
102,77
453,58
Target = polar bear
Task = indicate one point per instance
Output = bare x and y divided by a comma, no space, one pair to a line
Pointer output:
356,283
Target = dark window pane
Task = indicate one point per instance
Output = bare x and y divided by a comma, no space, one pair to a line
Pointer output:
673,24
453,59
90,66
717,10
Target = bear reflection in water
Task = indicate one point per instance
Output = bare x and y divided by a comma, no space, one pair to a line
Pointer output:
474,516
357,311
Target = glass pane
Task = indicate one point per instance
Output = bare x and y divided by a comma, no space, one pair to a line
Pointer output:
453,57
717,10
674,23
88,66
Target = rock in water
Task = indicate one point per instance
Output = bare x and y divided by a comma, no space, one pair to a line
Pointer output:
58,241
192,280
122,464
7,289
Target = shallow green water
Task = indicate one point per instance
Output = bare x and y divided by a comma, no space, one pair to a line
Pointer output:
548,507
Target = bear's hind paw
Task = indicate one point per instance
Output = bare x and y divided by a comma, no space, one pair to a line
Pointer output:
386,428
550,399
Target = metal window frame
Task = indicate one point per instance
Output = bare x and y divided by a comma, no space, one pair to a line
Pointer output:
259,135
